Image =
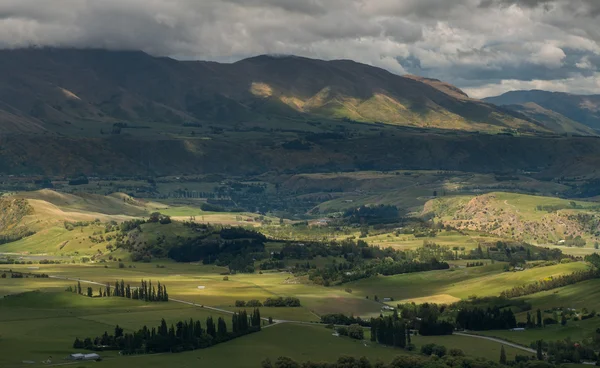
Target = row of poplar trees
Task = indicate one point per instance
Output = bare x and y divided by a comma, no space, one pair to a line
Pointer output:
390,331
146,291
184,335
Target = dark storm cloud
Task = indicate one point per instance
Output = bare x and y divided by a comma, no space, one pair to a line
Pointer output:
486,46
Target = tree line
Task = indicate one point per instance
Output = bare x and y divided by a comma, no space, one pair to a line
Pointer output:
429,358
20,275
552,283
479,319
183,336
146,291
390,330
270,302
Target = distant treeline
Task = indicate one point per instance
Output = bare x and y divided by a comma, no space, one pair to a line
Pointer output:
478,319
342,319
346,272
380,214
20,275
549,284
429,358
183,336
270,302
5,239
146,291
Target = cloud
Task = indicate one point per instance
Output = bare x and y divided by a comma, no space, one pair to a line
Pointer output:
479,45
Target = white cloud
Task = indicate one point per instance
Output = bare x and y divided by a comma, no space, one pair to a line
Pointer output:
578,85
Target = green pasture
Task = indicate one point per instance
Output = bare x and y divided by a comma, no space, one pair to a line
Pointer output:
457,283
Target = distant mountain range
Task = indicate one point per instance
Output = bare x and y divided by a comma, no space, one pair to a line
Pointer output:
58,89
68,112
556,109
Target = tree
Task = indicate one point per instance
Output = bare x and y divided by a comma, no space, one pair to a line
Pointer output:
78,287
563,320
502,355
539,353
221,328
90,293
539,318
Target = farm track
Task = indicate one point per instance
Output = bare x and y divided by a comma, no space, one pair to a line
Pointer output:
279,321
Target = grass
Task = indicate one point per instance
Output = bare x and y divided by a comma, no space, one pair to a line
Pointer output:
470,346
458,283
37,325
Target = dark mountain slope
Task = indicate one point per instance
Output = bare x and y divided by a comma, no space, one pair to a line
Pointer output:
61,87
584,109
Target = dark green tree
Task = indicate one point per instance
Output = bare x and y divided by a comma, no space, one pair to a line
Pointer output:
502,355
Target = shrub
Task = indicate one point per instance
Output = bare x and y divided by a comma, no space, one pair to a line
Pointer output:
456,353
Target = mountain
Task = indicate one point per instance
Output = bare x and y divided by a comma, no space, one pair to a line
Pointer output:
551,119
584,109
66,90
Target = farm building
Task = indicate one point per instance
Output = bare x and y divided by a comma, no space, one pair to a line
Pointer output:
77,356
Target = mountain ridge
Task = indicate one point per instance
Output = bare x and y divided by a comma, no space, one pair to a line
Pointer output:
583,109
61,87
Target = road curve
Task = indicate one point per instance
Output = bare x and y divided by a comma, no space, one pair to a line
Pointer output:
500,341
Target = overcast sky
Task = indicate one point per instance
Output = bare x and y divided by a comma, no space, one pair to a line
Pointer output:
486,47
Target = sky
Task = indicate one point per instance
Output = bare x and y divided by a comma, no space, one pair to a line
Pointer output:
485,47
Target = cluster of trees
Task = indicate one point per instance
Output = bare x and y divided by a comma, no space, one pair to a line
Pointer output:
450,359
183,336
342,319
20,275
577,241
390,330
234,247
435,327
347,272
157,217
353,331
9,238
475,264
549,284
371,215
566,351
479,319
269,302
146,291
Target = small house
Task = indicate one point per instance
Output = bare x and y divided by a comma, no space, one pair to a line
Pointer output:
387,300
77,356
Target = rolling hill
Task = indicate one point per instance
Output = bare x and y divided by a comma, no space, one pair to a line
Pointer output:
584,109
57,89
